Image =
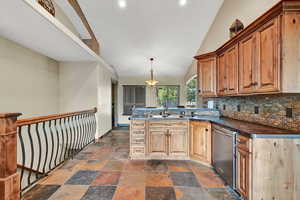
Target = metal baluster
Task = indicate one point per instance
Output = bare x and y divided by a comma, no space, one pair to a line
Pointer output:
71,137
80,134
32,153
85,131
52,141
67,138
23,151
57,135
94,126
89,127
40,148
77,133
74,138
63,141
47,146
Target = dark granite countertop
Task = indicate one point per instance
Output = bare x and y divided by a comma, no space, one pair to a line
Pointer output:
242,127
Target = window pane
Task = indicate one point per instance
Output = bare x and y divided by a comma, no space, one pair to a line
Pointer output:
133,96
192,92
168,96
140,95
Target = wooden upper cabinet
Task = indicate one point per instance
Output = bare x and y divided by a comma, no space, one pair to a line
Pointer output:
232,70
222,79
268,57
227,72
207,76
247,64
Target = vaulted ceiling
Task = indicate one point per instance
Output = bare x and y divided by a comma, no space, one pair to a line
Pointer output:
168,30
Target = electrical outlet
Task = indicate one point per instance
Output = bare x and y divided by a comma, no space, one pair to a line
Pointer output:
238,108
224,107
289,112
256,110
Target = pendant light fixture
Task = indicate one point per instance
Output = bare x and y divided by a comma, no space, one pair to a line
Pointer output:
152,82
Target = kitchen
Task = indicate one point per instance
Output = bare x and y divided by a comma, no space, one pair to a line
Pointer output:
254,151
150,100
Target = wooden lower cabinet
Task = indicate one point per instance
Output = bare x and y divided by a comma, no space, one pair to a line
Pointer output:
178,142
167,139
200,141
158,143
243,173
268,168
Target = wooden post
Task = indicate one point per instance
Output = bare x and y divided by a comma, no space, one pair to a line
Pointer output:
9,178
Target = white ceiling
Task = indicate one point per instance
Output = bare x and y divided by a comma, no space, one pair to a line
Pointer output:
149,28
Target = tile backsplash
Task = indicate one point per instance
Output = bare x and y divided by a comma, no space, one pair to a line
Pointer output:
280,110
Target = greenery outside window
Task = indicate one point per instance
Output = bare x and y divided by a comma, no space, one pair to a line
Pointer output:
192,92
168,95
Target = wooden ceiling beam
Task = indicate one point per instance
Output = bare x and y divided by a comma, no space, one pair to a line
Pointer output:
93,42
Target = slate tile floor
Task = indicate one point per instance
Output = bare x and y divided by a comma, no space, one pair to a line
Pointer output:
103,171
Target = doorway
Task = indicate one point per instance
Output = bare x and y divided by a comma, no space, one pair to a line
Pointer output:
114,97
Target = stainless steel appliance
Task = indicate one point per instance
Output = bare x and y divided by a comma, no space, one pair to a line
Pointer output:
224,154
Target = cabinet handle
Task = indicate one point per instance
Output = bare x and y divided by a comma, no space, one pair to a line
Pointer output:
206,129
255,83
199,91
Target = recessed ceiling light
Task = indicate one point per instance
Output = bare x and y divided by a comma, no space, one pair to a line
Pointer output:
122,3
182,2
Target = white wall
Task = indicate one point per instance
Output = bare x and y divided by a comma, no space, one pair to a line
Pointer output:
84,85
105,78
150,93
28,81
77,86
245,10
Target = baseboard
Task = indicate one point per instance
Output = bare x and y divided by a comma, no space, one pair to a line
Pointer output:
123,125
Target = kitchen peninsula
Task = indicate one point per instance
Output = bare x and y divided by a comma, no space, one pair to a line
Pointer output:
245,155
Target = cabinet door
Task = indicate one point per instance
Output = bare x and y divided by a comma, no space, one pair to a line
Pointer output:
222,75
268,57
243,173
207,77
247,64
200,141
178,142
157,144
232,70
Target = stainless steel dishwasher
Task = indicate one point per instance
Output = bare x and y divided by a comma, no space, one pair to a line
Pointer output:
224,154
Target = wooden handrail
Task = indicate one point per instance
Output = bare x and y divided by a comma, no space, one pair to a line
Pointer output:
34,120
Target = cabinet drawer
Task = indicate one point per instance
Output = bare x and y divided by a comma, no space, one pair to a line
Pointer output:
244,143
139,140
137,150
138,124
169,124
137,132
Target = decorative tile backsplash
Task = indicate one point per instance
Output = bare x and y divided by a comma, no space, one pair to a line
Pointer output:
280,110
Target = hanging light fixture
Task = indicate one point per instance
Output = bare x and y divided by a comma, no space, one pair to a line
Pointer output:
152,82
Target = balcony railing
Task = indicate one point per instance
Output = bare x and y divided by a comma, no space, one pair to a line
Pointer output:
46,142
